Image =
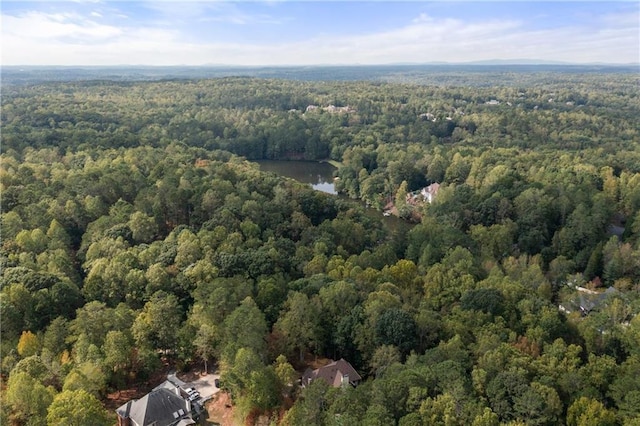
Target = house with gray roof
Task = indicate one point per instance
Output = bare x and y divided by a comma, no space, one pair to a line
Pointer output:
163,406
585,301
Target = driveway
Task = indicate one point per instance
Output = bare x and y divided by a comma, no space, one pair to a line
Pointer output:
205,385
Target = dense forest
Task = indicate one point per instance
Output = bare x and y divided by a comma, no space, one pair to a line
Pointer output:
136,230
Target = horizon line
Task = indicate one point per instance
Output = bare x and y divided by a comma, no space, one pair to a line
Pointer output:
488,62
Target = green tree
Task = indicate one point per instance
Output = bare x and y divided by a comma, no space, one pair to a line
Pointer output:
158,279
337,299
384,357
118,352
441,411
429,326
214,300
271,294
156,326
263,388
244,327
84,351
206,342
378,415
311,406
34,367
444,285
287,375
404,209
34,241
533,209
487,300
597,375
86,376
396,327
236,375
487,418
55,337
28,398
94,321
496,241
364,333
504,390
76,408
437,168
590,412
299,323
143,227
625,389
404,275
539,405
58,236
458,170
188,250
11,224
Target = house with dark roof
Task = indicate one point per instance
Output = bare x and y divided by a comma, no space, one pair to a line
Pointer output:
586,300
336,374
163,406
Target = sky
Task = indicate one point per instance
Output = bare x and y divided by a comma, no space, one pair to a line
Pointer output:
282,32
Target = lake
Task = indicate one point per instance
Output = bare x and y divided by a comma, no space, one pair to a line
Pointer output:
318,175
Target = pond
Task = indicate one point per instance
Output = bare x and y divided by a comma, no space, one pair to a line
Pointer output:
318,175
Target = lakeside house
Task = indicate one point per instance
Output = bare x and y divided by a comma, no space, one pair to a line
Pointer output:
331,109
428,194
428,116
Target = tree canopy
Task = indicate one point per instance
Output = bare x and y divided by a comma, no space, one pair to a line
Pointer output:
137,230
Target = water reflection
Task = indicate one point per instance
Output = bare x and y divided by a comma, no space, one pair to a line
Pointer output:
318,175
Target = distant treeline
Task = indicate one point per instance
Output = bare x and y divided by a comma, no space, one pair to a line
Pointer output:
435,74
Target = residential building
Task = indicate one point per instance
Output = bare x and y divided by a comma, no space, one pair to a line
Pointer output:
163,406
430,192
336,374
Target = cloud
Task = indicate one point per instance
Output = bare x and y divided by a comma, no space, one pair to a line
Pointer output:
34,38
207,11
627,19
69,38
243,19
423,17
45,27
